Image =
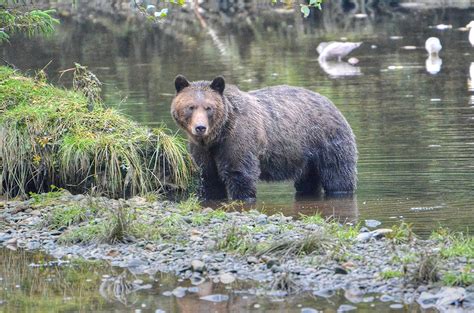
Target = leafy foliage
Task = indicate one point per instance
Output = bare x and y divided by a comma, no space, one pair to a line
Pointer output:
31,23
306,7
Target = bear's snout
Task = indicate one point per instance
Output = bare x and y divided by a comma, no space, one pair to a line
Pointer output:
200,130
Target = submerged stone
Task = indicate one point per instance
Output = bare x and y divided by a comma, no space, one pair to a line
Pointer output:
346,308
215,298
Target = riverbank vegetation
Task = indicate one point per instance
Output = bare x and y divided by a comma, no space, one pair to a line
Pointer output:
54,137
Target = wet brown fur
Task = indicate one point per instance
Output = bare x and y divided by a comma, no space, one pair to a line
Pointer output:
275,133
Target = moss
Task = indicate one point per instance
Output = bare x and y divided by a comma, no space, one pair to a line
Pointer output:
48,136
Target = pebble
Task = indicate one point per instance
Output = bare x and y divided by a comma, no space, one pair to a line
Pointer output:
396,306
340,270
198,266
216,298
386,298
325,293
197,279
179,292
346,308
226,278
372,223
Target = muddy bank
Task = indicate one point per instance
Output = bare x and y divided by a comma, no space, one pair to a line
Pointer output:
274,255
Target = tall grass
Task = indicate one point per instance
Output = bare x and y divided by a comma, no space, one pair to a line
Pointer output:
49,136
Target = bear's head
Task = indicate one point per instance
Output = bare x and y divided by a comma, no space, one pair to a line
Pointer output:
199,108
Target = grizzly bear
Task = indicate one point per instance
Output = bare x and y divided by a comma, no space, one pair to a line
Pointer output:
275,133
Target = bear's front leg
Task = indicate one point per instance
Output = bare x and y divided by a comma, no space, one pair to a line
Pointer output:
211,185
212,188
240,175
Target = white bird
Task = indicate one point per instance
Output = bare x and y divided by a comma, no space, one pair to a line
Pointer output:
433,46
433,64
339,69
471,32
336,49
470,80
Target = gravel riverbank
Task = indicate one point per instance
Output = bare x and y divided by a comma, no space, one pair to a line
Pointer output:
273,255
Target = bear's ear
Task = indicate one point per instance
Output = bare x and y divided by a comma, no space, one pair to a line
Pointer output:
180,82
218,84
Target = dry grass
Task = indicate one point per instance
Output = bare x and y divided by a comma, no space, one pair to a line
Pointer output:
49,136
313,242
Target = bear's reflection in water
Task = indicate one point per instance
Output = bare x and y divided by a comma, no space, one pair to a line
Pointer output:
342,207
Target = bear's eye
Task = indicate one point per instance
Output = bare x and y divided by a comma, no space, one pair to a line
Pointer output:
208,109
191,108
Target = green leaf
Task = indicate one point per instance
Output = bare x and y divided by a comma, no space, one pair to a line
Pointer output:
305,10
313,2
3,36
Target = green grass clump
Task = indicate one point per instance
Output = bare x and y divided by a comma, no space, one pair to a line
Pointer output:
461,278
47,198
49,136
401,233
236,240
191,204
459,246
91,232
316,242
389,274
65,217
313,219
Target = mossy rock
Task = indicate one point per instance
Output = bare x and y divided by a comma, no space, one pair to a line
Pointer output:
48,136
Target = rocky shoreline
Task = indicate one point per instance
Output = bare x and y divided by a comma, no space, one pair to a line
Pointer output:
274,255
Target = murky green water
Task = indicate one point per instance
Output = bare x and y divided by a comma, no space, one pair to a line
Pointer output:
29,284
415,130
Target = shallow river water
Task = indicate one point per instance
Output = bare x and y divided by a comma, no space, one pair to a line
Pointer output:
414,129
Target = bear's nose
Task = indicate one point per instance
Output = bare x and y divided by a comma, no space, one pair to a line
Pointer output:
200,129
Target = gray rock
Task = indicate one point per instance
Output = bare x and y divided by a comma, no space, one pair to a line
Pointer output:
386,298
252,260
396,306
363,237
309,310
198,266
261,219
380,233
340,270
197,279
215,298
325,293
372,223
33,245
226,278
179,292
346,308
272,229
